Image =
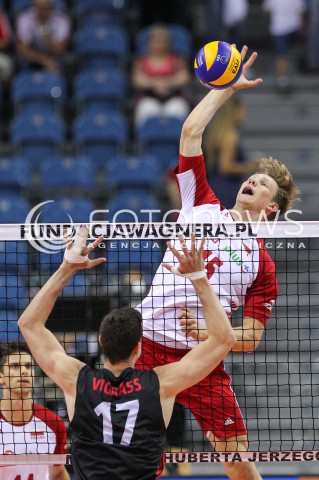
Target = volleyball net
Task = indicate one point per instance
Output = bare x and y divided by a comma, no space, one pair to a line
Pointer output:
277,385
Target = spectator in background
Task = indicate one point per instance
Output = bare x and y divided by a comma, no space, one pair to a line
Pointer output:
160,79
6,64
226,160
225,19
234,14
26,428
312,37
286,18
215,13
43,36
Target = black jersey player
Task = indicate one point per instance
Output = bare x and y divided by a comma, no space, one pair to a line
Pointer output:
119,414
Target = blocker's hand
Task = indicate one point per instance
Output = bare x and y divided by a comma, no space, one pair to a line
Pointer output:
192,260
77,252
190,326
243,82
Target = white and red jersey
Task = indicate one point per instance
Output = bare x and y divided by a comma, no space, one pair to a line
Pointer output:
240,270
44,433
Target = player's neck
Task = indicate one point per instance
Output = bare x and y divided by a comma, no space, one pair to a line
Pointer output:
17,410
118,368
241,215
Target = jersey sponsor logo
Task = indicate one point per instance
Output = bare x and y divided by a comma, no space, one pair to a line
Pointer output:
233,255
124,388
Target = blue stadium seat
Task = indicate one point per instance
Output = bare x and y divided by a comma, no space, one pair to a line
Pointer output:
97,88
34,89
77,287
49,263
100,45
13,292
181,40
9,330
37,135
123,255
18,5
160,137
105,10
15,175
100,135
14,256
13,209
133,201
78,209
75,174
142,171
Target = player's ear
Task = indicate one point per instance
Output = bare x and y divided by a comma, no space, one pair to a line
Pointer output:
100,340
138,349
273,207
2,381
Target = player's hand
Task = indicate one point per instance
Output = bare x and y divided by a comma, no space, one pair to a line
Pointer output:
77,252
191,260
190,326
243,82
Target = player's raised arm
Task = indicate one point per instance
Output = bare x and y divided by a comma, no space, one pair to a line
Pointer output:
202,359
201,115
44,346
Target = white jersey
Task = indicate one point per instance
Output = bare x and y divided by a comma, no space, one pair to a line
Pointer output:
240,270
44,433
285,15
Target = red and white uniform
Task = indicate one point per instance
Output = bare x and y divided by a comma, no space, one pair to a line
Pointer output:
241,273
44,433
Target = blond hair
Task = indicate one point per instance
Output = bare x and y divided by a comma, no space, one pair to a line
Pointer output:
287,193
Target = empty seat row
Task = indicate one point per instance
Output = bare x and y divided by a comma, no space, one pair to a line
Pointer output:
126,206
22,260
39,90
59,174
99,135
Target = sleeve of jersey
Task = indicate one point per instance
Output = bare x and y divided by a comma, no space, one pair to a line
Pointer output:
192,182
262,294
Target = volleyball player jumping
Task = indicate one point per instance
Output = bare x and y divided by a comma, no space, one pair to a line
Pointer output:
240,271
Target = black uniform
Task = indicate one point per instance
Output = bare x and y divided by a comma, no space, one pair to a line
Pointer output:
118,426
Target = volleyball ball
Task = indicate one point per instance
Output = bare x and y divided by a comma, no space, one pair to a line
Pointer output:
218,65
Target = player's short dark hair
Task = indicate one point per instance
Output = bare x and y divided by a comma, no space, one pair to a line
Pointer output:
11,348
120,332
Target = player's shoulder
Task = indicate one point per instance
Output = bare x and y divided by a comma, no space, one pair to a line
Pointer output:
148,376
45,414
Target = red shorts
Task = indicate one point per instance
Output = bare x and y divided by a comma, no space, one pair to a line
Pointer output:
212,401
